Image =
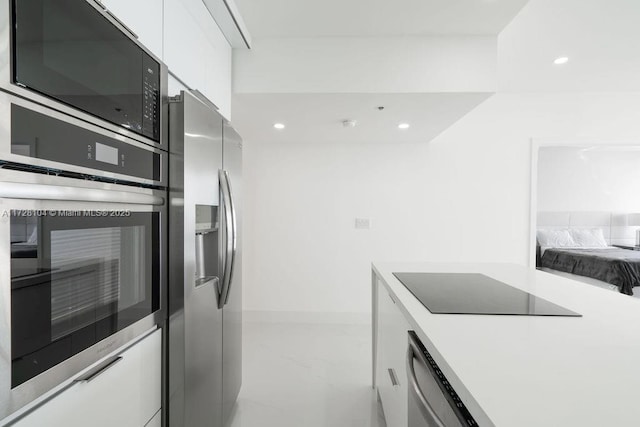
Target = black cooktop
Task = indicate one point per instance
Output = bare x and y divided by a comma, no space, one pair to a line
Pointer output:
470,293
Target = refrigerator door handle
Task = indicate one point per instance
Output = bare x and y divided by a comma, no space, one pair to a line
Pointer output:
234,242
229,240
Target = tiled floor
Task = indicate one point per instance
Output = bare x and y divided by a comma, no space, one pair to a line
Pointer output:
306,375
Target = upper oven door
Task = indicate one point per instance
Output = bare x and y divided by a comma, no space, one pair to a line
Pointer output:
82,272
34,135
74,53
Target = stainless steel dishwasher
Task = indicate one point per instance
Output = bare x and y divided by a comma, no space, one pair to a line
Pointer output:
432,400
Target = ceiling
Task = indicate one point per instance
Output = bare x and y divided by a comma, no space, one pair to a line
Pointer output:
601,38
313,118
334,18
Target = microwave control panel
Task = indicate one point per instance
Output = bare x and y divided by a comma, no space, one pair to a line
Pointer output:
151,99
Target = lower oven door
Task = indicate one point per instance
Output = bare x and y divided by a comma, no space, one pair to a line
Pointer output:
80,277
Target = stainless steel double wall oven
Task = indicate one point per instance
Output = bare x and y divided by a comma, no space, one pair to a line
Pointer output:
83,197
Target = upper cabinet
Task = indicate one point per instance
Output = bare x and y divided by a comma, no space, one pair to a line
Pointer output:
143,17
196,51
186,37
230,21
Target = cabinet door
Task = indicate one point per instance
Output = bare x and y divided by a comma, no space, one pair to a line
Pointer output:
125,395
384,370
175,86
196,51
391,370
144,17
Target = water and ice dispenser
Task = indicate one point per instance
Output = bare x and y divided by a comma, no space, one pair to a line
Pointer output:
207,248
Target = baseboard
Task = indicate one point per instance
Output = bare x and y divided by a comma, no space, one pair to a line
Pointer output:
306,317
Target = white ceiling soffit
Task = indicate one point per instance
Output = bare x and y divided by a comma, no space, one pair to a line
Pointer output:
228,18
601,38
319,117
335,18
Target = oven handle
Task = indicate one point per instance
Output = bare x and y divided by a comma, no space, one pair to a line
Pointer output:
98,370
413,353
18,190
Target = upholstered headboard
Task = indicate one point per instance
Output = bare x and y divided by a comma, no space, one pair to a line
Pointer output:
614,225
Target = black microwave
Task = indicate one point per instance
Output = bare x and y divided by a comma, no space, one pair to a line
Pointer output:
78,55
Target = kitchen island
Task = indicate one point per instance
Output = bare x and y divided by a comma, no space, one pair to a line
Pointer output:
514,370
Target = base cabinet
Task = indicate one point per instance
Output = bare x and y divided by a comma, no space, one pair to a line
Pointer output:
391,346
125,395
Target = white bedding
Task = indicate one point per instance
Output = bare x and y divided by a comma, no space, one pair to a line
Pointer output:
571,238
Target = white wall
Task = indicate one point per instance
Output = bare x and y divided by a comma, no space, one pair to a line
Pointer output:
595,178
462,197
367,64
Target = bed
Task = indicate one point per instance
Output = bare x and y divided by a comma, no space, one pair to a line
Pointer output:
619,267
585,252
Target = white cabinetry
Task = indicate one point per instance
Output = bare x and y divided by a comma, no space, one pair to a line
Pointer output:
196,51
391,347
143,17
125,395
186,37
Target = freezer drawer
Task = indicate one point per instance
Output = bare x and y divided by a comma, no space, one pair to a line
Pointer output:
125,393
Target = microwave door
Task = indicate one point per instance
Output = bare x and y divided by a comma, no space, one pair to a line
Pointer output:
79,59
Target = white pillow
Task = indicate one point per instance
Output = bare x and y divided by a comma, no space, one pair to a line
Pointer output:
555,238
588,237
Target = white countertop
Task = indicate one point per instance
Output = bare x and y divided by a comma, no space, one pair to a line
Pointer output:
519,371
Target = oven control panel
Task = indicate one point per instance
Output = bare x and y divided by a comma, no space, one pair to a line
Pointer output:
37,135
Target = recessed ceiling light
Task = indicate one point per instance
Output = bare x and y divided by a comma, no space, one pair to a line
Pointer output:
403,126
561,60
278,126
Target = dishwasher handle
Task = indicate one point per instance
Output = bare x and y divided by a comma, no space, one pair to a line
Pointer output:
453,412
425,407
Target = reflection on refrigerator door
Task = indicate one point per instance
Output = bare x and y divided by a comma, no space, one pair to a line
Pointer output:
202,330
232,313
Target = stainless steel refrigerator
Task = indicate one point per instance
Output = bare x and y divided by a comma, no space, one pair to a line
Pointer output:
204,337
